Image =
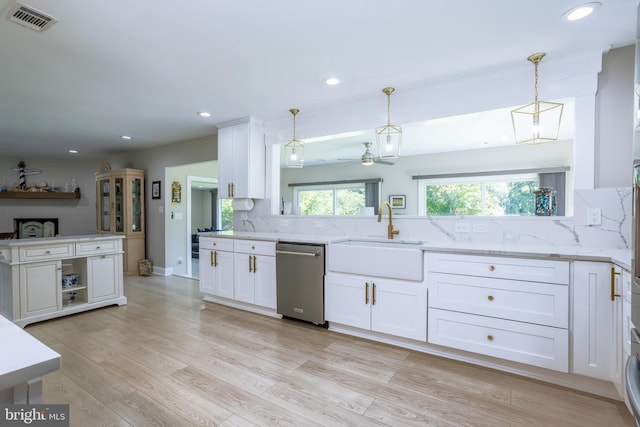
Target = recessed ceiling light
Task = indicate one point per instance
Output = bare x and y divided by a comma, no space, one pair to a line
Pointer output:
582,11
332,81
125,137
203,114
73,151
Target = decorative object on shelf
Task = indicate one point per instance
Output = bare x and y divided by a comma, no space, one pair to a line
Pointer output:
398,201
70,280
104,168
539,121
155,190
546,201
176,192
294,149
22,175
389,136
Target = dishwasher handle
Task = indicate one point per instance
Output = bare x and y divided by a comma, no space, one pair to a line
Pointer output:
315,254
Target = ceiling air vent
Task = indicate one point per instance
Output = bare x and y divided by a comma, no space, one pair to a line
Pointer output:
30,18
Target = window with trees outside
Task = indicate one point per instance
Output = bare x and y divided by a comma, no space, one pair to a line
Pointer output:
497,195
335,199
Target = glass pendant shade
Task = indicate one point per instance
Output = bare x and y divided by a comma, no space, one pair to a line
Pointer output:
539,121
388,137
294,153
294,149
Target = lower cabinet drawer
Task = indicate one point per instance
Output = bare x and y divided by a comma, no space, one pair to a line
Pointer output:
255,247
96,247
535,345
541,303
46,252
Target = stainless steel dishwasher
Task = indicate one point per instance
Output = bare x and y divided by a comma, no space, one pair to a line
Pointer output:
300,281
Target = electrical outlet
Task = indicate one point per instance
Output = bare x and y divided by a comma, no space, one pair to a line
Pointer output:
462,227
179,260
594,216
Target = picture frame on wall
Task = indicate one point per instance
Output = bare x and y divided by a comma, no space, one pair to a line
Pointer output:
155,190
398,201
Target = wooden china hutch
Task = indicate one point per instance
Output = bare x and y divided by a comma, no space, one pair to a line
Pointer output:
120,210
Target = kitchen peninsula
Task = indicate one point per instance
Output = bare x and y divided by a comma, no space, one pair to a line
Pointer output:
32,271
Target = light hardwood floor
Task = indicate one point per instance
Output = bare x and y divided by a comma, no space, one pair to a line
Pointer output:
168,358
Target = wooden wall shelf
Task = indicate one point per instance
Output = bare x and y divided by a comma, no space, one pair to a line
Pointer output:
37,195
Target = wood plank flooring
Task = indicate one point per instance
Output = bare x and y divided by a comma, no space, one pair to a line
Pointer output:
169,359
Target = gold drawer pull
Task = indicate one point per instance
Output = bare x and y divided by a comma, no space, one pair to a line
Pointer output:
366,293
491,268
490,337
490,297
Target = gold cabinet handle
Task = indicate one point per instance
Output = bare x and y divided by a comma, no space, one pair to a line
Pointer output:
373,293
229,189
490,297
233,190
366,293
489,337
215,258
491,268
254,264
250,267
613,284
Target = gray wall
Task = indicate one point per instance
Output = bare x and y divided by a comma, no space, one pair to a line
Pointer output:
614,119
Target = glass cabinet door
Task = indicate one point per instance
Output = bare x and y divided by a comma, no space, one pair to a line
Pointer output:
104,201
118,199
136,205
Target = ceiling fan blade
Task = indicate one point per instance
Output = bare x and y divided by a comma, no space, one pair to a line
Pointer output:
383,162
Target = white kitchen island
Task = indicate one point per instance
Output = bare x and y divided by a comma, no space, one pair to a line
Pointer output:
31,271
23,362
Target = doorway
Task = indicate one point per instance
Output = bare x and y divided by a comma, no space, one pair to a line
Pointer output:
202,214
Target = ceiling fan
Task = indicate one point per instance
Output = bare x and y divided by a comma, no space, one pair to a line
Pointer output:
368,158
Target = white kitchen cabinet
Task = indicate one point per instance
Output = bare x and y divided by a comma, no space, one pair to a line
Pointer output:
255,272
241,159
388,306
593,320
216,267
238,271
102,273
40,288
32,271
512,308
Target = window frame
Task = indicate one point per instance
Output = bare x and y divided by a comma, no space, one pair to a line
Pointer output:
481,178
334,187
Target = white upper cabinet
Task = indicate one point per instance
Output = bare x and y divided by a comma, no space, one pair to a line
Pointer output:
241,160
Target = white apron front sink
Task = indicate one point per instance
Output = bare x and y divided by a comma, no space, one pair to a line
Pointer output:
396,259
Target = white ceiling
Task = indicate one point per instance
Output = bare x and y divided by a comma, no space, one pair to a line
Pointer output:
144,68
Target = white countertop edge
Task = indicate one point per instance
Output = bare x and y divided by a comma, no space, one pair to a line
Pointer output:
59,239
621,257
24,357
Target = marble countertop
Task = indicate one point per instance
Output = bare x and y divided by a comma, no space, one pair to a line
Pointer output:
621,257
23,357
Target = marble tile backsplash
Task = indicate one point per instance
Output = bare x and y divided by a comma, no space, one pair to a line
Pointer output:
614,231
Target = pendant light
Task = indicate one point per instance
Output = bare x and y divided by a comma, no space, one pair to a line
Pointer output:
389,136
539,121
294,149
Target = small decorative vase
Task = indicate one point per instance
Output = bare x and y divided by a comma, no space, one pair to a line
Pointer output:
546,201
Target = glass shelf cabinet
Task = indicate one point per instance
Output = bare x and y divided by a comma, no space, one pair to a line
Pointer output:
120,210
